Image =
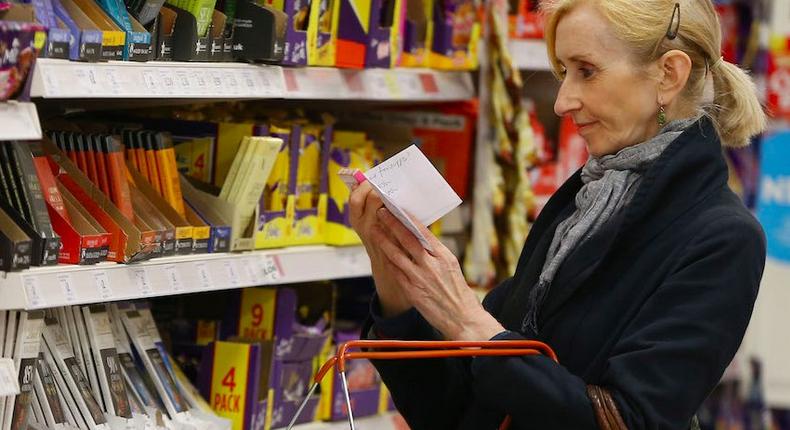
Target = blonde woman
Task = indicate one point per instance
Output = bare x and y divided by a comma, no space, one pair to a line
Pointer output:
642,270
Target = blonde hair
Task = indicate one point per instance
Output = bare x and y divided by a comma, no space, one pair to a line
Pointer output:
643,25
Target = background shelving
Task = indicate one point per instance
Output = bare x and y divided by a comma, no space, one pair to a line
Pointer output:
60,79
66,285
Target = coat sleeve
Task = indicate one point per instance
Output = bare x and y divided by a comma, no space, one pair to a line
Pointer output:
444,384
669,357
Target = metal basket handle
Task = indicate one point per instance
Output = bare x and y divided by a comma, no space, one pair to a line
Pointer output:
417,350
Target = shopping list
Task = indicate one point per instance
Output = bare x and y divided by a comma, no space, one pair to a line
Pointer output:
409,185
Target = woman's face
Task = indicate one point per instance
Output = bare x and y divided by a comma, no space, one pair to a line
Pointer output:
611,100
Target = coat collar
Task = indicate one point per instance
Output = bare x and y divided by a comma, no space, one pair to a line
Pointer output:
689,169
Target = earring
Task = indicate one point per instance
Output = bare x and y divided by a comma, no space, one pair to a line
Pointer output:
662,116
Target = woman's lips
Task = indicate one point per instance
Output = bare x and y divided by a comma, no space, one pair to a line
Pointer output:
585,126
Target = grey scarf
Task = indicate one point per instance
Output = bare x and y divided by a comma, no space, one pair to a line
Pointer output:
609,183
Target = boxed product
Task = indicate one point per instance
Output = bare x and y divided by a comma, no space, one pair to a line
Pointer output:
275,211
417,33
385,38
525,21
311,184
456,35
20,41
23,197
322,35
268,359
351,150
367,393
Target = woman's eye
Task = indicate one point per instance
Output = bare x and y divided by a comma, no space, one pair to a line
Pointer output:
586,72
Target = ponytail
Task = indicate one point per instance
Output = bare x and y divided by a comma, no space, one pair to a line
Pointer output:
736,111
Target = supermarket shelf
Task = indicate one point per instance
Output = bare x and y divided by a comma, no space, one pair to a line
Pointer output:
388,421
19,121
45,287
529,54
61,79
377,84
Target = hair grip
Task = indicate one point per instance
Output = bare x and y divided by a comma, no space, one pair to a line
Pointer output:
672,34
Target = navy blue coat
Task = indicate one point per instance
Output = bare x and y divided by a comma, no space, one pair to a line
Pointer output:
653,308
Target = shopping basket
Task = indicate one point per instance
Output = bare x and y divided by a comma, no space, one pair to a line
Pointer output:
404,350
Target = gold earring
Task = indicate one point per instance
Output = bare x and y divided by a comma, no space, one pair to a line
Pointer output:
662,116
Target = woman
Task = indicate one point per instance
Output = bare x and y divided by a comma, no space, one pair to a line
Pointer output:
641,271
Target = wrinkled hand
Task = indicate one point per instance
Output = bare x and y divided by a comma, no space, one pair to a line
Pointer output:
364,203
432,281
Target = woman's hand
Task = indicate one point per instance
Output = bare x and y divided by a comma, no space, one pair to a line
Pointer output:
364,203
432,281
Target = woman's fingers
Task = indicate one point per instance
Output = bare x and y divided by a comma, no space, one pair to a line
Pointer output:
356,201
392,251
405,238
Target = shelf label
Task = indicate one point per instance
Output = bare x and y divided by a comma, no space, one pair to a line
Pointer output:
232,272
271,269
9,382
173,278
248,266
204,277
65,282
102,284
140,278
34,299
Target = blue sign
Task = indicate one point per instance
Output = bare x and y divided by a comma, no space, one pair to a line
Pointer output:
773,205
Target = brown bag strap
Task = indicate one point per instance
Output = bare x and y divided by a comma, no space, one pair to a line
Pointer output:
606,413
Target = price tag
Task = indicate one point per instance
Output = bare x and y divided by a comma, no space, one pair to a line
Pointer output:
173,278
111,77
291,83
204,277
151,83
9,383
248,268
34,299
65,282
102,284
271,268
232,272
140,278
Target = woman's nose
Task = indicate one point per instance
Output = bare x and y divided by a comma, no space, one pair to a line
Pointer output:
568,100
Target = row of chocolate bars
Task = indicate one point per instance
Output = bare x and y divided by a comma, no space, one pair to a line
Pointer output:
130,190
333,33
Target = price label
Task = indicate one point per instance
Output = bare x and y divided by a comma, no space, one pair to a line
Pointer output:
248,267
9,382
271,269
103,284
111,78
34,299
66,284
173,278
150,81
204,277
233,273
140,278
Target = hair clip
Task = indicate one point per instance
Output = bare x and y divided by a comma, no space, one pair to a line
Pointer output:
672,34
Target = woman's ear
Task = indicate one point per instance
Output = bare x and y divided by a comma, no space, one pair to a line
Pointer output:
675,69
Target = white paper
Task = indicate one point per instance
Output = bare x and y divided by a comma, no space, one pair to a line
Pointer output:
409,184
9,384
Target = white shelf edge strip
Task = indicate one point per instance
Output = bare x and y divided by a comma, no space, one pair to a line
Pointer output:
62,285
529,54
385,421
19,121
58,79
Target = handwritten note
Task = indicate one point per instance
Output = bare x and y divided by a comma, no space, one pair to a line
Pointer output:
410,185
